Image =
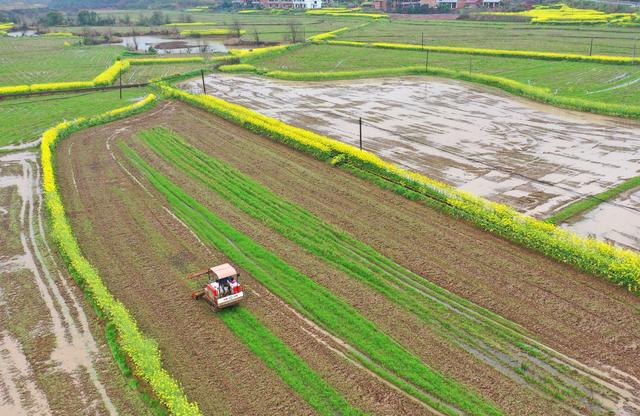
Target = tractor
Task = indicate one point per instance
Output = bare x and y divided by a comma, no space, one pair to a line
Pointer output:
222,288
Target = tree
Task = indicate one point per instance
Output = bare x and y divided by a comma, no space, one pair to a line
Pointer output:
256,36
157,18
235,29
294,31
53,19
87,18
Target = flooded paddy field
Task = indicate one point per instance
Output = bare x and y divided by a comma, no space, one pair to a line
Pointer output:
50,360
536,158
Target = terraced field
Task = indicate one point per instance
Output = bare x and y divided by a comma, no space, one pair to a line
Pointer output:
389,306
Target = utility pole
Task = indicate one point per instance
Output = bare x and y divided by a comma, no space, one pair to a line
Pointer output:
423,41
360,122
204,86
591,47
120,74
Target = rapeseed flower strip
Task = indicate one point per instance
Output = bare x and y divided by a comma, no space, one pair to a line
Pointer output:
211,32
59,34
238,68
14,89
151,61
110,74
141,350
617,265
59,86
505,53
327,35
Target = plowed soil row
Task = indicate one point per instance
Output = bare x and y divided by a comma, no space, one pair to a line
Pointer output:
141,251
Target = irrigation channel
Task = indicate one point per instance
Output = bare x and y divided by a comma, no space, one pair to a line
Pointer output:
534,157
50,361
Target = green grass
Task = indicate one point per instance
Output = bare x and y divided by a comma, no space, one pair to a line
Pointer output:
342,251
501,35
590,81
288,365
24,119
31,60
586,204
377,351
145,73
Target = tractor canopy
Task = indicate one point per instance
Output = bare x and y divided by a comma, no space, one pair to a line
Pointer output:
223,271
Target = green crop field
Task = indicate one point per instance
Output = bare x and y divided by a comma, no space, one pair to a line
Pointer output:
498,35
31,60
24,119
597,82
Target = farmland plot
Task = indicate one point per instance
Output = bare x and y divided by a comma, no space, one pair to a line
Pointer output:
51,357
142,166
533,157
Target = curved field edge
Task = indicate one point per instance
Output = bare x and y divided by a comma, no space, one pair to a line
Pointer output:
373,348
141,350
617,265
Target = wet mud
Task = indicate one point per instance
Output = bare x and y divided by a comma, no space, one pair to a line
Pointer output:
536,158
50,363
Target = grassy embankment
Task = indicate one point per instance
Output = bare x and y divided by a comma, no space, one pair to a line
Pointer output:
590,202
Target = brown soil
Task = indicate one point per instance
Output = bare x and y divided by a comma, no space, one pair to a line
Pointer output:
576,313
148,251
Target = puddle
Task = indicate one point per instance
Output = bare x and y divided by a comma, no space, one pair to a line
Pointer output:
76,349
166,45
21,33
536,158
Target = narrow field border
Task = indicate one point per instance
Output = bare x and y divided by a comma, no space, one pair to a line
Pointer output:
617,265
141,350
593,201
504,53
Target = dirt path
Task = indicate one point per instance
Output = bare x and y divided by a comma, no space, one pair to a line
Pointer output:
148,253
50,361
533,157
465,260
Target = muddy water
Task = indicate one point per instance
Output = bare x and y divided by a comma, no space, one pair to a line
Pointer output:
164,45
615,222
75,348
536,158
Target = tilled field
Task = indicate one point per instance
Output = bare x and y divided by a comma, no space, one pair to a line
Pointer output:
143,251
